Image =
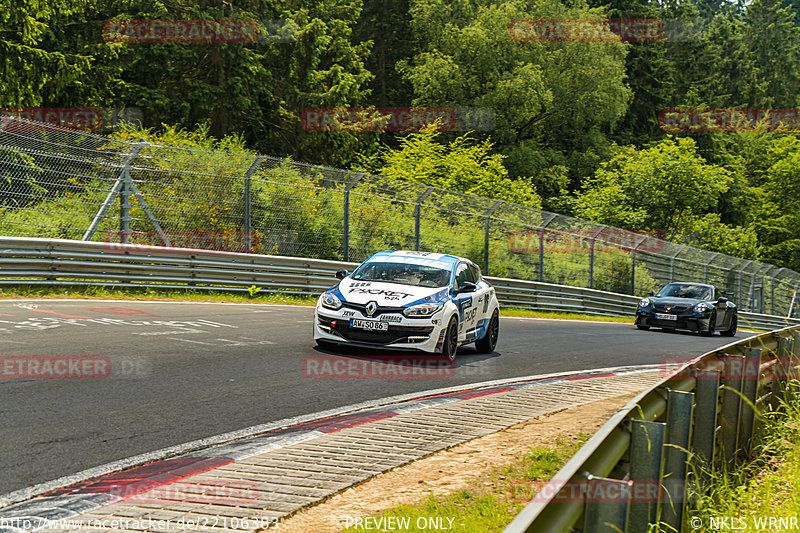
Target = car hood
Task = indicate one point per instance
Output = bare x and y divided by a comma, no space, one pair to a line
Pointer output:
675,301
388,294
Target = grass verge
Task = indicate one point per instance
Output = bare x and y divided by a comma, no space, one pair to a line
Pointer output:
764,493
491,501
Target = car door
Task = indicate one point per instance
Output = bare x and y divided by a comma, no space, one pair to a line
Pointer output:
467,310
723,314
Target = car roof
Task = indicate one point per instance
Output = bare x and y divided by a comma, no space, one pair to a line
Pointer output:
412,256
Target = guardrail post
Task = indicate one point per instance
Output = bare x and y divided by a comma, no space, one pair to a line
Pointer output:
729,414
487,220
747,413
647,441
346,216
418,215
705,423
676,455
248,231
606,505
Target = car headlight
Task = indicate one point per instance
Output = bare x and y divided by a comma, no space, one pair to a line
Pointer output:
330,301
422,310
702,308
644,302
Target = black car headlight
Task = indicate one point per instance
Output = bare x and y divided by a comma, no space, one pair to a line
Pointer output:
702,308
644,302
330,301
422,310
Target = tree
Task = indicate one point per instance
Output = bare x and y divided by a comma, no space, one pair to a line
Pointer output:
657,188
462,165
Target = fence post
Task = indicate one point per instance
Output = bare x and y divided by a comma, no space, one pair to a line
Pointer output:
647,441
672,262
417,215
740,300
487,219
346,216
705,266
676,454
541,246
122,182
633,265
772,290
248,230
591,256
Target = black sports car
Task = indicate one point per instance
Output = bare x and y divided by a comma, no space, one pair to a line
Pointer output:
692,306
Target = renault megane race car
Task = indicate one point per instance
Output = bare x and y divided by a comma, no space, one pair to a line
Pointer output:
410,300
692,306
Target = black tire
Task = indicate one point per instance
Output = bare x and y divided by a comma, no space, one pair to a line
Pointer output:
327,345
489,341
711,321
450,346
642,327
731,331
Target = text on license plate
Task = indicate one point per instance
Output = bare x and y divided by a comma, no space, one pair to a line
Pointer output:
369,324
662,316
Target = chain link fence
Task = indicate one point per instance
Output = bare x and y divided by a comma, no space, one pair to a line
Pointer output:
62,183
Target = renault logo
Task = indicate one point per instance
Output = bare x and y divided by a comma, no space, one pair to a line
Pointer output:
371,307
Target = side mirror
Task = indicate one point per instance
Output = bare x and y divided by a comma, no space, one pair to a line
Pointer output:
341,274
722,300
651,293
467,286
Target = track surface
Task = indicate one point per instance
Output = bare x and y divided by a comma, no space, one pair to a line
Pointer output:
164,374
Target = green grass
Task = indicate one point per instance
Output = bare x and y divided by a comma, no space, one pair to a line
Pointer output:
766,486
492,500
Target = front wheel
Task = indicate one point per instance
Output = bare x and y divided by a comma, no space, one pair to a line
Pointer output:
489,341
711,321
642,327
451,340
731,331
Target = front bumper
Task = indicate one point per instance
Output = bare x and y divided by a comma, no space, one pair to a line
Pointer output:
689,321
423,334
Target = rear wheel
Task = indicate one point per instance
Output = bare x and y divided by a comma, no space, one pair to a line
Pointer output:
711,322
451,340
489,341
731,331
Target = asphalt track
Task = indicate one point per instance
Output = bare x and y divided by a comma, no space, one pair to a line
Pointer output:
83,383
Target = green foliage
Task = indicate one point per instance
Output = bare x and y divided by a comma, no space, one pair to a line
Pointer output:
463,165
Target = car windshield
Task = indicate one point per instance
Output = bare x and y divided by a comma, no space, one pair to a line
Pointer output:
405,273
685,290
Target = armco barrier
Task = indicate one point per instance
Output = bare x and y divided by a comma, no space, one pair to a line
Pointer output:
637,469
61,262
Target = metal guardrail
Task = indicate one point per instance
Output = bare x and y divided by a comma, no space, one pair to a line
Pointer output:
59,262
698,419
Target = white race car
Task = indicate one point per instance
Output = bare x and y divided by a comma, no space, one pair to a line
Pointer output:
410,300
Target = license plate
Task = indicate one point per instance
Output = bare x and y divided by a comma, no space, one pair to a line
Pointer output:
372,325
662,316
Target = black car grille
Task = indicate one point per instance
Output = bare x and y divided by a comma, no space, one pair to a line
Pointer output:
378,312
392,335
662,308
